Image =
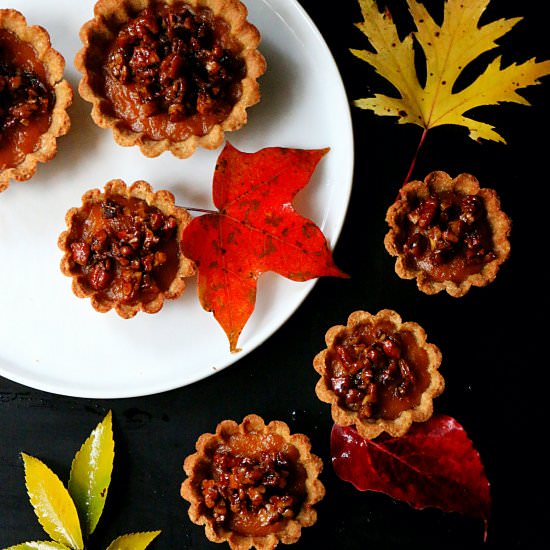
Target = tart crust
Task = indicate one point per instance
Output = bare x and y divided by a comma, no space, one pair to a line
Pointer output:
439,182
98,33
198,467
13,21
142,191
372,427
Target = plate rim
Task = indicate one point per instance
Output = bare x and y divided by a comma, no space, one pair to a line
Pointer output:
79,391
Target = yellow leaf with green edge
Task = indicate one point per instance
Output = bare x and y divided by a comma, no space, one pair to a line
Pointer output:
91,471
448,49
38,545
52,503
133,541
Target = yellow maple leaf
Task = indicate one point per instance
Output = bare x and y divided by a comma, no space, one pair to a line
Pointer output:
448,48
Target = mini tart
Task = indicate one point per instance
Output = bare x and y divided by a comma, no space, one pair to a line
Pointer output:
170,75
252,484
33,98
447,233
122,248
378,373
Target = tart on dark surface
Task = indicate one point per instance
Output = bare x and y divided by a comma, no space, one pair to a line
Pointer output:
170,75
34,98
378,373
252,484
122,248
447,233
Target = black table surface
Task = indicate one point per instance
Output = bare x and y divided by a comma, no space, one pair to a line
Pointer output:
492,341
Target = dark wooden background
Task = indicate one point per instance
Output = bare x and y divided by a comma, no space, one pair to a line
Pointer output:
494,344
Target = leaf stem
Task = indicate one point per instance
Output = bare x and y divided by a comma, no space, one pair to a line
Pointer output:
203,210
420,143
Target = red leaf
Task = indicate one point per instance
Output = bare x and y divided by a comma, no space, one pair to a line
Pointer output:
255,230
433,464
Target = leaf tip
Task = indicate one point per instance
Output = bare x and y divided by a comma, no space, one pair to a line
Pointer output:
108,420
233,341
134,541
28,460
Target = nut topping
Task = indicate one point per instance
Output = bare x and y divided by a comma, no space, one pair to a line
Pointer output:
378,373
23,96
447,233
364,370
177,62
246,485
443,227
122,248
34,98
253,484
170,75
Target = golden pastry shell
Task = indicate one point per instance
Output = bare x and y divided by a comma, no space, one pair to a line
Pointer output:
111,15
371,428
438,182
165,202
15,22
195,465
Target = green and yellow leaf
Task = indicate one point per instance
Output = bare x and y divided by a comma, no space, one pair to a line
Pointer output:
52,504
448,49
133,541
90,476
39,545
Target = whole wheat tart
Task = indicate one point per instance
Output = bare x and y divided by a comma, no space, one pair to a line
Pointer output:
371,428
440,182
141,190
99,32
197,468
54,63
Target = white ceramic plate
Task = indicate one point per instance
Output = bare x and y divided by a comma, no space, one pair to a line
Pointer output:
53,341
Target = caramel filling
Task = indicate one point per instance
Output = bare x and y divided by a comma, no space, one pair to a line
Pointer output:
447,236
254,484
125,250
173,72
377,371
26,100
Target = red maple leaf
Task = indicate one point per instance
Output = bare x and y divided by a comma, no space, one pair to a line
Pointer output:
255,230
433,464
